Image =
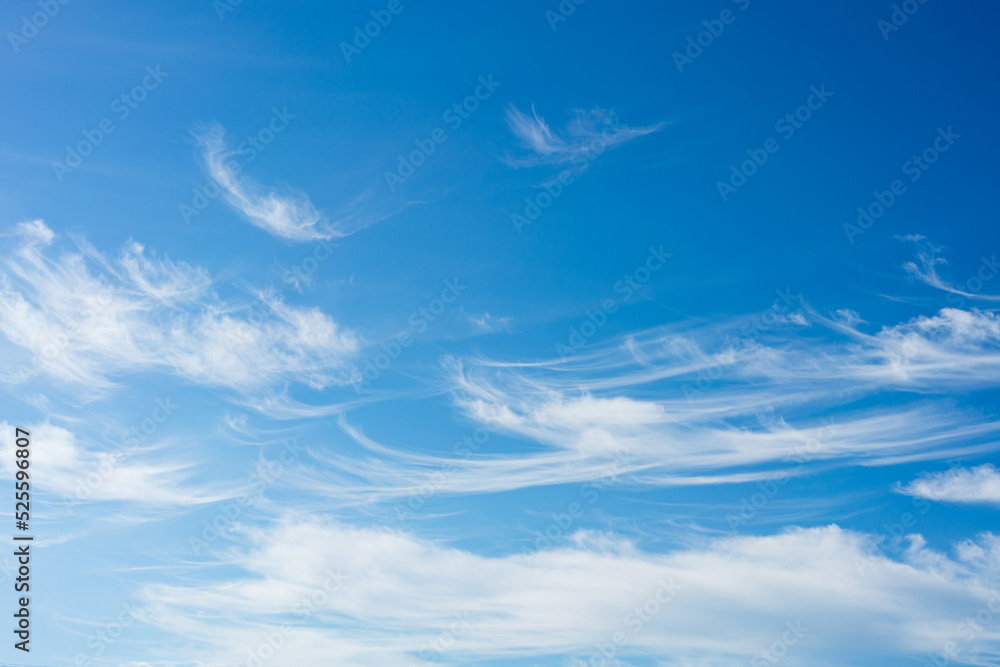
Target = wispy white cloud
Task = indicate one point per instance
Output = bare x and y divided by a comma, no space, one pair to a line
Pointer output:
77,472
929,354
661,410
925,269
487,323
980,485
289,215
589,132
86,318
399,592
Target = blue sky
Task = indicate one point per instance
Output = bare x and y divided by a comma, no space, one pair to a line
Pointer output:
517,334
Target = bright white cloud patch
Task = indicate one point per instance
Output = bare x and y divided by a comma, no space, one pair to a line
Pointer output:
961,485
78,472
365,596
85,318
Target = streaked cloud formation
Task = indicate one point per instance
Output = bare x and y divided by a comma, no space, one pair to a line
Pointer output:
88,318
261,436
645,399
928,259
674,406
77,472
960,485
588,132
